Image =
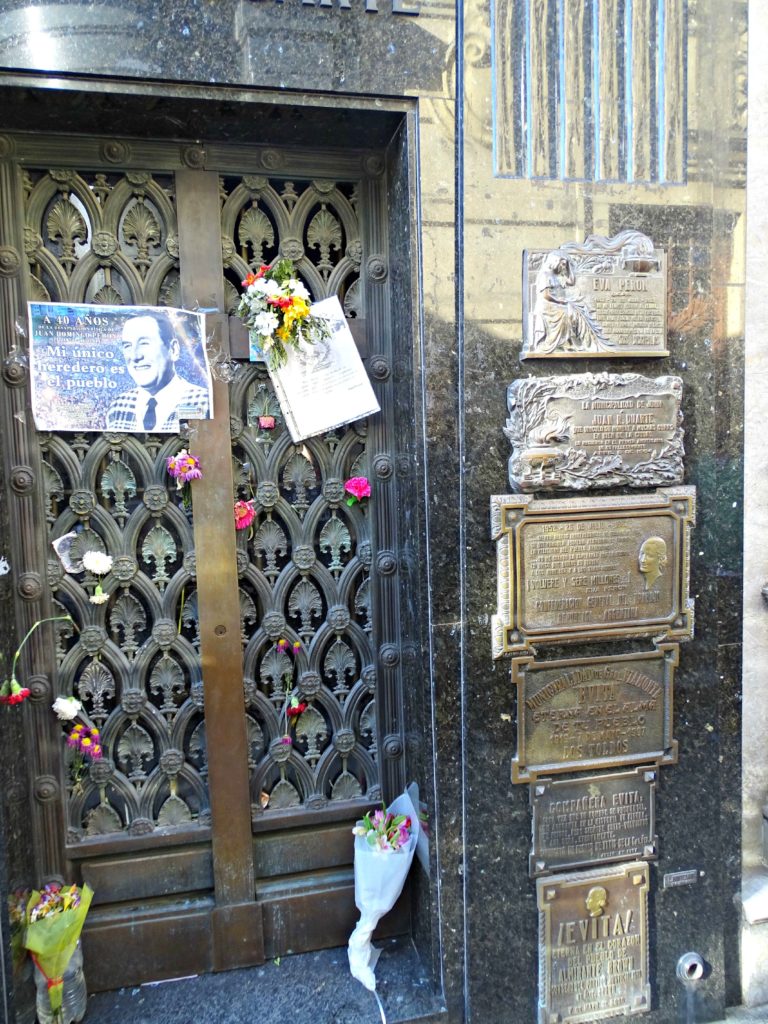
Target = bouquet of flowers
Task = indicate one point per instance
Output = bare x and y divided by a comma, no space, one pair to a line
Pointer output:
385,842
55,918
275,308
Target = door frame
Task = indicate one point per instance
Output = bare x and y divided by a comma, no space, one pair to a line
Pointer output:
401,648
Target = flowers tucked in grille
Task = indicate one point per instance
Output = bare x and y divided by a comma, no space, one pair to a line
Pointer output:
275,308
245,513
11,690
86,741
99,563
358,487
184,468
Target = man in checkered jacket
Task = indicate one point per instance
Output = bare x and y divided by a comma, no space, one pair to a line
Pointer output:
162,397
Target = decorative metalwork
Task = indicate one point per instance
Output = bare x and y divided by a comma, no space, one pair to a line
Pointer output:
593,944
108,237
587,431
576,569
605,297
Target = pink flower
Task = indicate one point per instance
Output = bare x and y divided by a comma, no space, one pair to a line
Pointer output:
359,486
245,513
267,422
286,741
184,467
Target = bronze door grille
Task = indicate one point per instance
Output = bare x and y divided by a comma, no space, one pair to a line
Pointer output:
138,825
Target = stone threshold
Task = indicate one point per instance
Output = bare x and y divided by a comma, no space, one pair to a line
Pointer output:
310,986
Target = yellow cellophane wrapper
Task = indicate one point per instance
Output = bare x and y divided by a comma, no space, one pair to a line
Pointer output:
52,940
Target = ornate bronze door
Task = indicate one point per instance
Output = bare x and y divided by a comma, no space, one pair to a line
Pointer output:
208,842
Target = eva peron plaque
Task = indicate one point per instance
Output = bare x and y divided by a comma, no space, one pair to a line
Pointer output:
575,569
578,714
593,944
605,297
593,820
587,430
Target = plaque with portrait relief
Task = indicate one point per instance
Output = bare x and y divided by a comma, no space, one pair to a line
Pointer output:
606,297
597,568
587,431
593,944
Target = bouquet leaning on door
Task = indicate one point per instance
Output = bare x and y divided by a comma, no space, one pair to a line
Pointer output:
385,842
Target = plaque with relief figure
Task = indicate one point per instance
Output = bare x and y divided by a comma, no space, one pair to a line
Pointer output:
597,568
593,944
603,298
588,431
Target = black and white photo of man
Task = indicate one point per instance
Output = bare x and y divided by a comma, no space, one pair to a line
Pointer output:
162,397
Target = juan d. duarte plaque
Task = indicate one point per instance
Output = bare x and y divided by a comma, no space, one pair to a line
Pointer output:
605,297
575,569
593,944
593,820
587,430
579,714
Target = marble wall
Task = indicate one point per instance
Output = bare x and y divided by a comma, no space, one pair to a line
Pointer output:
435,85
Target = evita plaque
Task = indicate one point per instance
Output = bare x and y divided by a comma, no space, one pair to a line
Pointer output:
594,820
579,569
593,944
606,297
584,713
587,431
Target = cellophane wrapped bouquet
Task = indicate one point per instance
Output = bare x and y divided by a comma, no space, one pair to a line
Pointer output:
385,841
55,918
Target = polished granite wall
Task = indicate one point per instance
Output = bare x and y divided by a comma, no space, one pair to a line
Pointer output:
428,87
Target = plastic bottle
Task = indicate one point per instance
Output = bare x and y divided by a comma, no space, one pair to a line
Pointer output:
74,996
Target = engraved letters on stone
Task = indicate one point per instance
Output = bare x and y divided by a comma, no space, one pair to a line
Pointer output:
592,568
593,944
593,820
579,714
606,297
594,430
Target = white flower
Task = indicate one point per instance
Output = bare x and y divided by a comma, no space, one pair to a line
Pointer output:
97,562
98,598
266,323
66,708
296,287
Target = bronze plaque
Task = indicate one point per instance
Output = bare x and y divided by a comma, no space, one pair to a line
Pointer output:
584,713
607,297
587,431
593,944
595,820
575,569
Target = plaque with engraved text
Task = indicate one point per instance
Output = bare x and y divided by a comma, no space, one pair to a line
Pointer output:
579,714
605,297
594,430
575,569
594,820
593,944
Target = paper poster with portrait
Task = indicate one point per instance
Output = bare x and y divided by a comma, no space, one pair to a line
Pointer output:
324,385
132,369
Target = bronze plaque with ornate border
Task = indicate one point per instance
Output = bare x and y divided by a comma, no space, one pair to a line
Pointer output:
593,944
579,714
594,820
587,430
576,569
605,297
